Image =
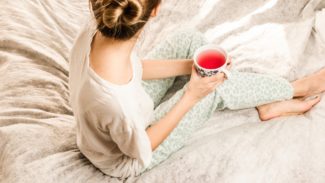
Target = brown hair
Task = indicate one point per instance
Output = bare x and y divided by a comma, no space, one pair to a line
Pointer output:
122,19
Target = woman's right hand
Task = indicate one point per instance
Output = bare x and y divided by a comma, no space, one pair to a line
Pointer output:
198,86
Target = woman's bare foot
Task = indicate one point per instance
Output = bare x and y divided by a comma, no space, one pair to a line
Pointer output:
285,108
310,85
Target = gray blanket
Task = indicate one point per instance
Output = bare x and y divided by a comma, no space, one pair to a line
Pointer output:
37,128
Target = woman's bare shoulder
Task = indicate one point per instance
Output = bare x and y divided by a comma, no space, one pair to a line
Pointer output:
110,70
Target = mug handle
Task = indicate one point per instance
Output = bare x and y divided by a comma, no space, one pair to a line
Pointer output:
227,73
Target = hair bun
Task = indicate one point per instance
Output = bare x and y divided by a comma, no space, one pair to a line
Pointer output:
122,19
120,12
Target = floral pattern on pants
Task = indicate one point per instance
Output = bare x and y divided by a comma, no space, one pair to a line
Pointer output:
242,90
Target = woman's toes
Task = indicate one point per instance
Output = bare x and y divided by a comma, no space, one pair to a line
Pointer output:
310,85
318,81
311,101
284,108
299,106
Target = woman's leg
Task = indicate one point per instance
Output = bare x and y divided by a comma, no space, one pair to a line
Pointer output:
305,87
183,44
243,90
180,45
246,90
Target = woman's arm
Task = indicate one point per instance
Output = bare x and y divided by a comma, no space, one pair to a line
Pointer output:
197,88
159,131
158,69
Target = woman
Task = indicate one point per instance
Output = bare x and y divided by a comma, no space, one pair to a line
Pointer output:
122,127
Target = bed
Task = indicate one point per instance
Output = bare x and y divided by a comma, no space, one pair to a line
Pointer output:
37,128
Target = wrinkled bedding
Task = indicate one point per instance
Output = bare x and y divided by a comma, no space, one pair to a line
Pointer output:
283,37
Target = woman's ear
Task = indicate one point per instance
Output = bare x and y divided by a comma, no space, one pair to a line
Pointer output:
155,11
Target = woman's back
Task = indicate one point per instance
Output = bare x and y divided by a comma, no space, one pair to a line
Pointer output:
110,122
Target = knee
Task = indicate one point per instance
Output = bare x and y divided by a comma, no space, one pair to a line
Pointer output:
190,35
191,39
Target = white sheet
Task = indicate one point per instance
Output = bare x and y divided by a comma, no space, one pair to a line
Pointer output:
273,36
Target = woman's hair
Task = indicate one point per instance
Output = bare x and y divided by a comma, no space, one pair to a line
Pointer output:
122,19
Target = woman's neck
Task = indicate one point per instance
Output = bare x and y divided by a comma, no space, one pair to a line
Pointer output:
115,48
111,59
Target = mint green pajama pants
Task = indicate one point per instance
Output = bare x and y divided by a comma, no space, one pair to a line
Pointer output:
242,90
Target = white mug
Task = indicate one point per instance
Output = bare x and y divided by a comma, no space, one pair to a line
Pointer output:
209,72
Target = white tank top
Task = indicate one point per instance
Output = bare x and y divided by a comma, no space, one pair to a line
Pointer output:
111,119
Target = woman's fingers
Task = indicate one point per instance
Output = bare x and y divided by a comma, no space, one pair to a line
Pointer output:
220,76
194,72
217,77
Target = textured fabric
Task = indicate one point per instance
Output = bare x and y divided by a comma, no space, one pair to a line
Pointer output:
242,90
37,127
111,118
